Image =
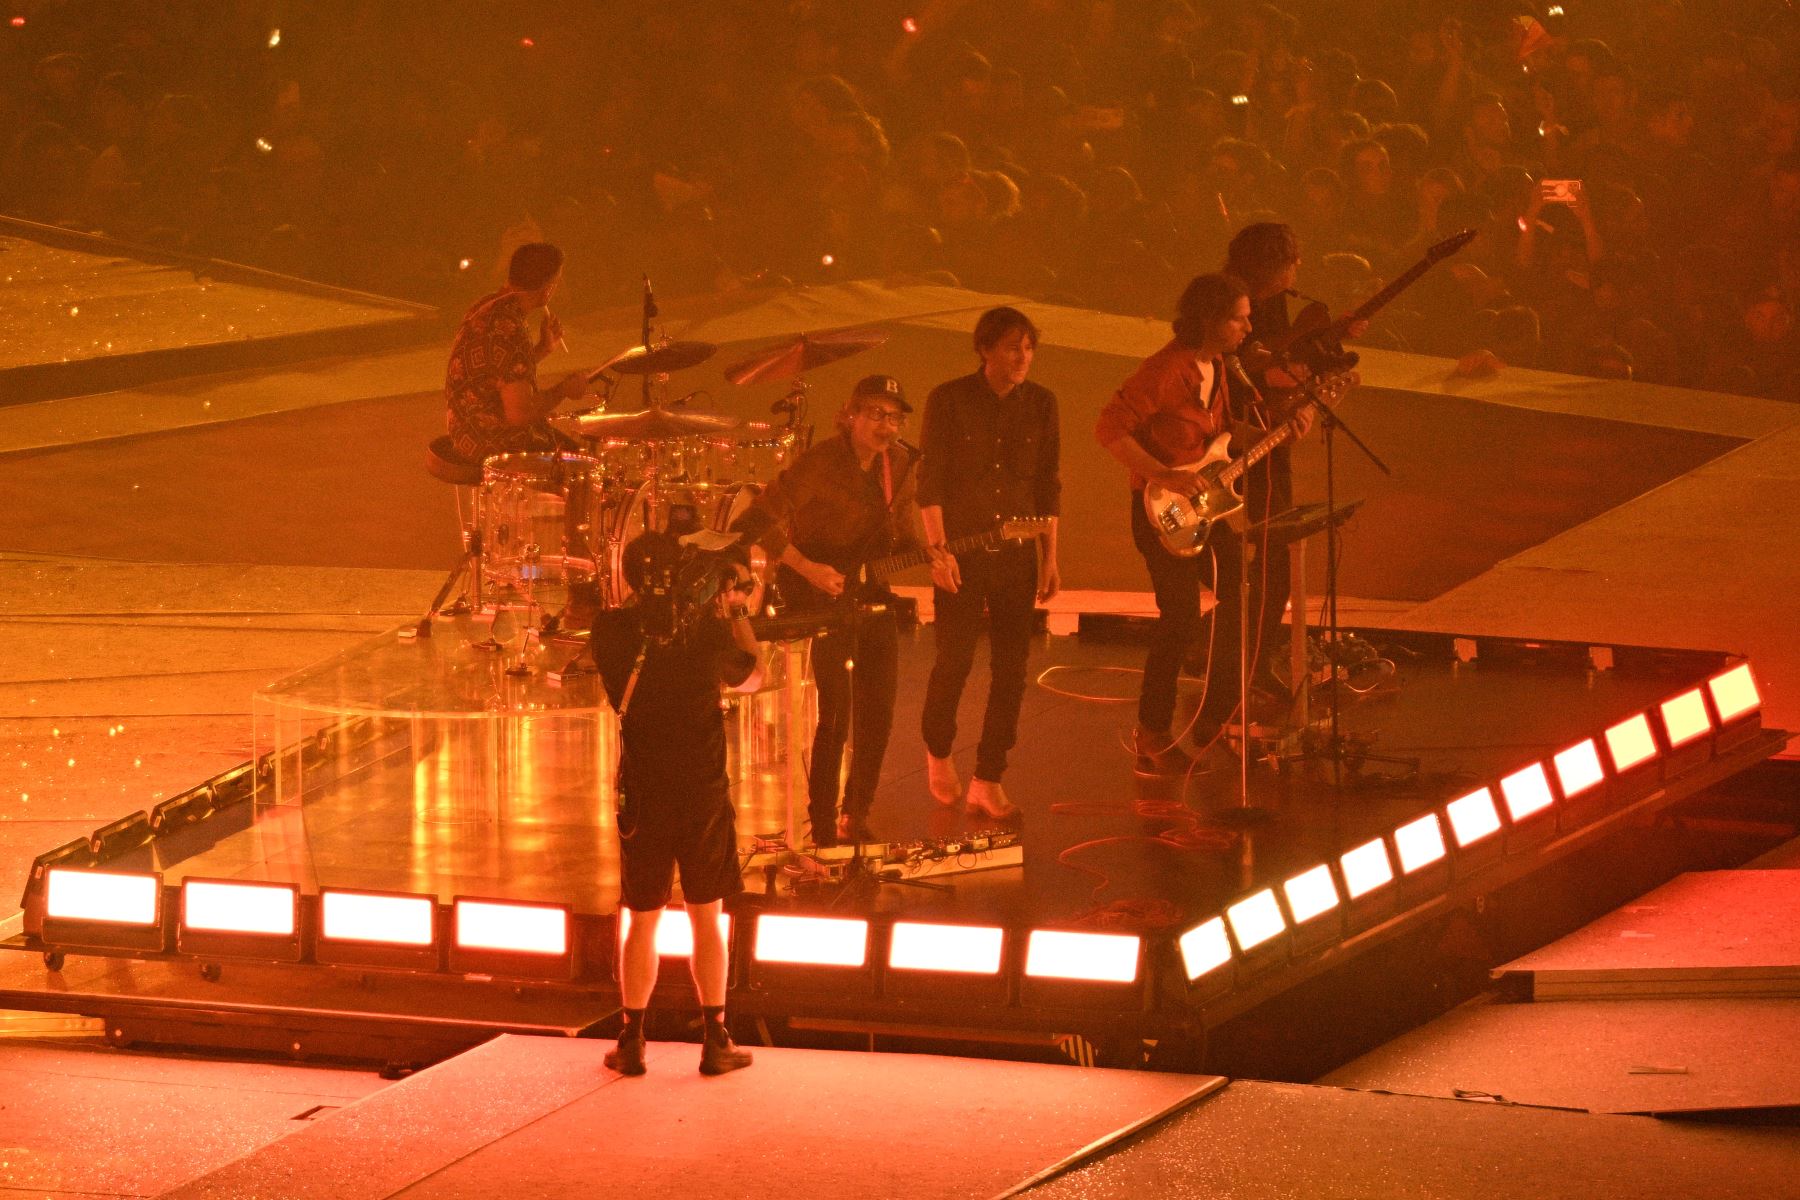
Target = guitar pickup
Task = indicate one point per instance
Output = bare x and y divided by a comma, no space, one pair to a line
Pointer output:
1170,518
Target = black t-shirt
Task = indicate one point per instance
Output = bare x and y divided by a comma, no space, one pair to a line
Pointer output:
674,734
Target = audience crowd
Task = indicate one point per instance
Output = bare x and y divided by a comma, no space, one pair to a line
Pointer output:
1090,152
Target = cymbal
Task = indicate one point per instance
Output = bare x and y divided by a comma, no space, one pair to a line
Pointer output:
655,360
809,350
647,425
1301,521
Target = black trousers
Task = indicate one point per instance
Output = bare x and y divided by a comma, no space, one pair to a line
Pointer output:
1003,584
864,696
1177,581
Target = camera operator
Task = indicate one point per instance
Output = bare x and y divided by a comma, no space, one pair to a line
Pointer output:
663,658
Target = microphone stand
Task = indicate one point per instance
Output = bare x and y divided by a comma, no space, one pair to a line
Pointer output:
650,311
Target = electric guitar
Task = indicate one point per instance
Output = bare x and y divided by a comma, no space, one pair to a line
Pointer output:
1182,520
863,576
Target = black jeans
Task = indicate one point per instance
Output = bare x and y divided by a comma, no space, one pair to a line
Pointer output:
1004,583
864,696
1177,581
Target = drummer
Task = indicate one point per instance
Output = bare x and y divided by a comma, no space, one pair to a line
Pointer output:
490,385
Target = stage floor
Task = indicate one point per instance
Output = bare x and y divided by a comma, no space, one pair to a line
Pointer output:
1102,845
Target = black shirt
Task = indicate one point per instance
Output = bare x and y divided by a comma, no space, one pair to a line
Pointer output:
989,458
674,732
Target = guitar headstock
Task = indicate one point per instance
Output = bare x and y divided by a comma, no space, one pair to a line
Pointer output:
1329,389
1018,529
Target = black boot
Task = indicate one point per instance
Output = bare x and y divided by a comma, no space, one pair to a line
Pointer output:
719,1054
627,1058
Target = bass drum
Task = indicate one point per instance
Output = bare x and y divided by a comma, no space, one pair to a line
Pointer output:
676,508
539,517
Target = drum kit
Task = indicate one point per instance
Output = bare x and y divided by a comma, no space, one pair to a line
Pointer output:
548,524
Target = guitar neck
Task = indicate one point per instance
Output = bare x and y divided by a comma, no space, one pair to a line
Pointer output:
899,562
1379,300
1229,475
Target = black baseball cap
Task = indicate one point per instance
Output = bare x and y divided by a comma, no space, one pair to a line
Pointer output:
884,386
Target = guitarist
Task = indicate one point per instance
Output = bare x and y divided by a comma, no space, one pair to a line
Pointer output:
1266,256
1177,401
844,502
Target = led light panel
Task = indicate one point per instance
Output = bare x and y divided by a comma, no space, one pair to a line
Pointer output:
516,928
1366,868
1204,948
1578,767
111,896
1685,718
1311,893
1098,957
1735,693
1630,743
1473,817
1255,919
212,906
964,949
1420,843
674,932
812,941
366,917
1527,791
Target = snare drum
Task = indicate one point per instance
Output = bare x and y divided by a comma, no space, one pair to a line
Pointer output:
539,515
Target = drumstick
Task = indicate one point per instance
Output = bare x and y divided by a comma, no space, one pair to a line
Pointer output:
560,343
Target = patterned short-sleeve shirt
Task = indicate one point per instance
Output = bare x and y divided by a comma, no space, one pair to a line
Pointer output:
493,346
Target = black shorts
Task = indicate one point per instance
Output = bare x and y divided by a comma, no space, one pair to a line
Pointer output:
659,833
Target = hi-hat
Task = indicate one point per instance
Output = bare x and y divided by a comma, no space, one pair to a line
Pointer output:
655,360
647,425
793,359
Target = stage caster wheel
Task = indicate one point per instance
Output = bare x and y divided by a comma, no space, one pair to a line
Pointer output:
210,972
54,959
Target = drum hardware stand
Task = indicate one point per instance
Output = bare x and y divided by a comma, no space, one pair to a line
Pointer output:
532,611
467,568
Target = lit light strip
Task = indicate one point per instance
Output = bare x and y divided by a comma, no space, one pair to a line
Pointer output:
812,941
1473,817
1204,948
1527,792
1256,919
1630,743
1096,957
1685,718
1735,693
366,917
963,949
1311,893
517,928
1420,843
1578,767
210,906
110,896
674,931
1366,868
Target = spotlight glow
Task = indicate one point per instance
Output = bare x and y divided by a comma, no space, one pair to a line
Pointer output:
110,896
214,907
1685,718
1097,957
1366,868
1630,743
1420,843
1473,817
674,932
812,941
518,928
1527,792
1735,693
1205,948
362,917
963,949
1578,767
1255,919
1311,893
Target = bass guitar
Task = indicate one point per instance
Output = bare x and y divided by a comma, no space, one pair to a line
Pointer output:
1183,519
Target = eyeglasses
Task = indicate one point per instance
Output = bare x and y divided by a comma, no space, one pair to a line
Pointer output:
885,416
